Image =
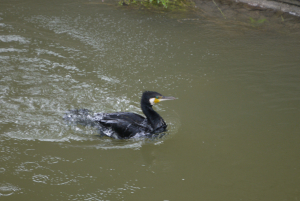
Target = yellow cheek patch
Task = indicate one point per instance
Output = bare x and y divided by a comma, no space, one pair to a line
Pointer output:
156,100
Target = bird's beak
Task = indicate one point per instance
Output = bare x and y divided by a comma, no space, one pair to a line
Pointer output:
164,98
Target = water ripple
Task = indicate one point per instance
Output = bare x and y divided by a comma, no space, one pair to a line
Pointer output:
7,189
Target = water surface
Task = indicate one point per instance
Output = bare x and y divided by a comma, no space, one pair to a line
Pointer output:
233,132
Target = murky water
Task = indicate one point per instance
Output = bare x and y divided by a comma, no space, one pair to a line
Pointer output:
233,132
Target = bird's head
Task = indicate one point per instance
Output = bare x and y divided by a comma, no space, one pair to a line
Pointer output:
152,97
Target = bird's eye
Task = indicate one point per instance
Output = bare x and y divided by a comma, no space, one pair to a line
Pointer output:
156,97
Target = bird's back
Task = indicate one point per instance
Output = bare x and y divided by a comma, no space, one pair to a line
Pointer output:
125,124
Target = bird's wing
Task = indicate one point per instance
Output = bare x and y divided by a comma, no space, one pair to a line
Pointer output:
125,116
125,124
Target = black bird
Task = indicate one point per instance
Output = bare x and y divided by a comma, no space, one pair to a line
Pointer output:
124,125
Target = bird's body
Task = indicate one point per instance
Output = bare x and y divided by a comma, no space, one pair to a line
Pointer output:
123,125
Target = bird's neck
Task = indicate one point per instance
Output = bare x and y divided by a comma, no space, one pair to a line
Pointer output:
153,117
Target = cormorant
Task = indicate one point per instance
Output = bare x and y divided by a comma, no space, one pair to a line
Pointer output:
124,125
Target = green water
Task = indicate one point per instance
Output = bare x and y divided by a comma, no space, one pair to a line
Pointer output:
233,132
